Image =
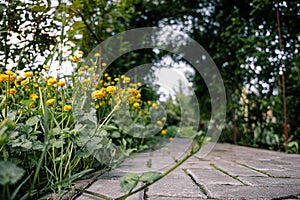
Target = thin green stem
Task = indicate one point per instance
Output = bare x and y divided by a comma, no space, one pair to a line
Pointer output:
94,194
162,176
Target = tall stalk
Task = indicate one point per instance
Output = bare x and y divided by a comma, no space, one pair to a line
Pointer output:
285,121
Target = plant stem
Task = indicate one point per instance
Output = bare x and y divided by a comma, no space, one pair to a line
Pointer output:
190,154
94,194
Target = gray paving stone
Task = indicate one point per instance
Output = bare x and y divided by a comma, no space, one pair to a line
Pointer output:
267,175
174,198
269,181
206,177
228,192
237,170
284,173
110,188
258,165
176,184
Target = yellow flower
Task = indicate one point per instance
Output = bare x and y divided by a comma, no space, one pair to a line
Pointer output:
108,78
81,73
67,108
10,73
116,79
104,64
154,105
34,97
61,83
111,89
80,52
90,69
98,94
6,78
36,85
126,80
85,67
50,101
24,82
106,74
131,99
75,58
2,77
28,74
136,105
163,132
12,91
171,139
97,54
97,106
51,81
94,77
85,81
164,118
47,67
159,123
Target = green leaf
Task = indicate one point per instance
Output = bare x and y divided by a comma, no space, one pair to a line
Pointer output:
10,173
129,181
32,121
115,134
150,177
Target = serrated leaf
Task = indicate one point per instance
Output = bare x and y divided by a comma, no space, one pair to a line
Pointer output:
115,134
32,121
150,177
110,127
129,182
10,173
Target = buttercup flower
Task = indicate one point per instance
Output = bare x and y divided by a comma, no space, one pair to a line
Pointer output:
75,58
126,80
159,123
6,78
10,73
51,81
97,55
61,83
163,132
24,82
111,89
136,105
34,97
154,105
81,73
12,91
50,101
67,108
98,94
28,74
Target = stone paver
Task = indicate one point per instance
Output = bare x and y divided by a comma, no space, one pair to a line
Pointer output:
227,172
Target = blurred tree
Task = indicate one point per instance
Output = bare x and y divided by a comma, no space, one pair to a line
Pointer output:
27,33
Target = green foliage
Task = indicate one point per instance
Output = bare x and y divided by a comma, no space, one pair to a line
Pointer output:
10,173
129,182
26,32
